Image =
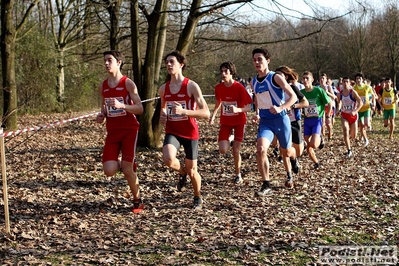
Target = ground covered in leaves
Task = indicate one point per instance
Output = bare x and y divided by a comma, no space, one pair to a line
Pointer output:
64,211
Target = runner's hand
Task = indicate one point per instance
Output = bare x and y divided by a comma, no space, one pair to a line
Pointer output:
163,117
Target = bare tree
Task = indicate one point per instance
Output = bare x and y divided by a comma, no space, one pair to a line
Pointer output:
11,30
390,29
146,71
358,45
68,21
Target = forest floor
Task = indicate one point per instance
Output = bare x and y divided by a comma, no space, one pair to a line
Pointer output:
64,211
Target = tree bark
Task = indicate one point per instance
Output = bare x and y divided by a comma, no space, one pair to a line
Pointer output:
8,35
8,42
147,73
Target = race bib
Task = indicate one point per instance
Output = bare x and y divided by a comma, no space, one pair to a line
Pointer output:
388,101
264,100
175,117
226,108
112,111
363,99
348,107
312,111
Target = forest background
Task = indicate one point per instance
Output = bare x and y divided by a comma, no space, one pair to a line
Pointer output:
52,50
64,211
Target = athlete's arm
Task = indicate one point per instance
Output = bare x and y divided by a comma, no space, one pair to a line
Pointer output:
202,112
215,110
163,116
359,101
101,116
137,107
303,102
282,83
246,108
330,92
339,103
255,118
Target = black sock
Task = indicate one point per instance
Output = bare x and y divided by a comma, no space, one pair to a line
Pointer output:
266,183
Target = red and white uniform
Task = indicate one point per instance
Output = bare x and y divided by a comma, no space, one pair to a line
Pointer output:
348,105
180,125
119,118
234,95
122,126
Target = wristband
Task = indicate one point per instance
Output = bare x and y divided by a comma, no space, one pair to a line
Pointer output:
293,106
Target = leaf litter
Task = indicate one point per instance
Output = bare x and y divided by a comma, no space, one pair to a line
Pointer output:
63,210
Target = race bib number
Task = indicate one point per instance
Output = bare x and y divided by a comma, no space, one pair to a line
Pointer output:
175,117
348,107
388,101
112,111
226,108
312,111
363,99
264,100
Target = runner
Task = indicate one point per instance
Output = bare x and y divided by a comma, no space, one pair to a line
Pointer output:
314,113
121,103
235,102
181,104
349,104
377,90
272,116
388,101
328,116
365,92
294,113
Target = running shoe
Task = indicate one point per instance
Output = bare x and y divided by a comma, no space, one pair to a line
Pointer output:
295,165
290,182
349,153
275,151
238,180
181,185
316,166
137,205
321,146
197,203
264,190
280,159
366,142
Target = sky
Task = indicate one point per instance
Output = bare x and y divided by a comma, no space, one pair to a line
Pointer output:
309,7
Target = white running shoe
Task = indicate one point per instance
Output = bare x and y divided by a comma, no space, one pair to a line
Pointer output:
366,143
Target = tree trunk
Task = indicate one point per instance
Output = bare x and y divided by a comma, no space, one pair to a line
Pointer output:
113,10
8,34
149,134
61,78
8,43
187,34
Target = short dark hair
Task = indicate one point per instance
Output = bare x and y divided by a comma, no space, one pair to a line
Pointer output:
261,50
323,75
179,56
118,56
307,73
230,66
359,75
